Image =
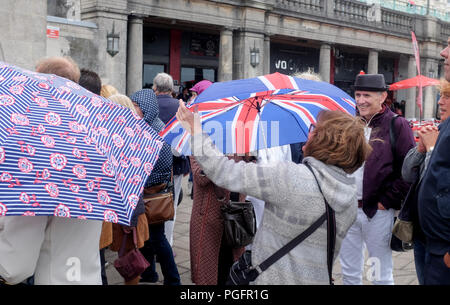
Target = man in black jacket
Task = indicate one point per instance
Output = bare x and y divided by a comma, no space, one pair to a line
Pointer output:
434,202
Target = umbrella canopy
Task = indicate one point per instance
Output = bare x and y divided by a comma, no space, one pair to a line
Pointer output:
67,152
250,114
414,82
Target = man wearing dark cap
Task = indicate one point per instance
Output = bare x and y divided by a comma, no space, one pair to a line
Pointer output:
434,201
380,188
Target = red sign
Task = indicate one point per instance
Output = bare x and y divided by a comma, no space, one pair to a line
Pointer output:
52,32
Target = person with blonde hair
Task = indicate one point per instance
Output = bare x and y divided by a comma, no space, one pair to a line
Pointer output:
123,100
108,90
294,198
139,220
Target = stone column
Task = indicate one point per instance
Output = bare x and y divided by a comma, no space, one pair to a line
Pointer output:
266,54
430,92
325,62
410,108
244,42
372,67
135,54
226,56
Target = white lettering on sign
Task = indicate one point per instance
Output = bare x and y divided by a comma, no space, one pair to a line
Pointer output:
281,64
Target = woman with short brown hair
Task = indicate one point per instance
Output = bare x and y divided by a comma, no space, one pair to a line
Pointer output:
294,198
338,140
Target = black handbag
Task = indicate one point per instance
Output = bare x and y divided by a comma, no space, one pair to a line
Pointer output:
239,223
243,272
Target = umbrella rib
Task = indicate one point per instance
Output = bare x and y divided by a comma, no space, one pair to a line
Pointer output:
295,117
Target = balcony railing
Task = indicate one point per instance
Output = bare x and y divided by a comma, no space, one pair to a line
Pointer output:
316,6
352,11
407,7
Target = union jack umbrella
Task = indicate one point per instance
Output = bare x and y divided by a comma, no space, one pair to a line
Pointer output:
247,115
67,152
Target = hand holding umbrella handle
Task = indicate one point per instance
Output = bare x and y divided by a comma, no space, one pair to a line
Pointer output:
190,121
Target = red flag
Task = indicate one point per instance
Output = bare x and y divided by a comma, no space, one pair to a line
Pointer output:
416,54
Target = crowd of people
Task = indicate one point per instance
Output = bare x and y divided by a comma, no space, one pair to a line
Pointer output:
364,167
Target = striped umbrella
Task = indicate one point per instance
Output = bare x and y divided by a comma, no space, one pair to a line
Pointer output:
251,114
67,152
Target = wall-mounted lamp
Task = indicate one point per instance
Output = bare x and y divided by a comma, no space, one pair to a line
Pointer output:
112,42
254,55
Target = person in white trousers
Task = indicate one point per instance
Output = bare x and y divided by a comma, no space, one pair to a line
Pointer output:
169,225
55,250
380,187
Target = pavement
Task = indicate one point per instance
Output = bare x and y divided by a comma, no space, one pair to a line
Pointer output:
404,269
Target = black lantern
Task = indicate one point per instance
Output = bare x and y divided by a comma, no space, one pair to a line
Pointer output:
254,55
112,42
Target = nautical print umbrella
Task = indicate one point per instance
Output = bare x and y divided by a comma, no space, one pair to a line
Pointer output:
247,115
67,152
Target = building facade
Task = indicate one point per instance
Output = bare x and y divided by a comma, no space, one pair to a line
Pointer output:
129,41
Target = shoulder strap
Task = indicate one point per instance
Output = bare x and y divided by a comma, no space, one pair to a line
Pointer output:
329,216
331,230
393,138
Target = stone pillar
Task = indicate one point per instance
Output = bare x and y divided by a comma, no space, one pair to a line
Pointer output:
372,67
325,62
135,54
244,42
430,92
266,54
226,56
410,107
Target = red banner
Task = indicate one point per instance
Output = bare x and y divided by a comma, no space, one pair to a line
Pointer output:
416,54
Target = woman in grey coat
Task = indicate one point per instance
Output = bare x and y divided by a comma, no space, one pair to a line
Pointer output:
335,148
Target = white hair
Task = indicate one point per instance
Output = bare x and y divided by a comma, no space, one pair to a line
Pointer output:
310,74
163,82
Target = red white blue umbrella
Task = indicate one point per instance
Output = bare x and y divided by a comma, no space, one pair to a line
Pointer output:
67,152
251,114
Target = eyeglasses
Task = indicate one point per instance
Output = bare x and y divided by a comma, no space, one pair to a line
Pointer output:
311,127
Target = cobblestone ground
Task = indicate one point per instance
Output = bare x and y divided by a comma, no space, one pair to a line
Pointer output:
404,270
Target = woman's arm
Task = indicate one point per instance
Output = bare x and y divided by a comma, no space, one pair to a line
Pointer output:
266,182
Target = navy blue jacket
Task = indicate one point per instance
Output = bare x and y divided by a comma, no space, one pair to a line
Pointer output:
434,195
168,107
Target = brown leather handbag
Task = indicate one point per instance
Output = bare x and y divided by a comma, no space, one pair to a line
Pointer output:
158,201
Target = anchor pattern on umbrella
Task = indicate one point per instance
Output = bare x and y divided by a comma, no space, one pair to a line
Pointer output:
67,152
266,111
